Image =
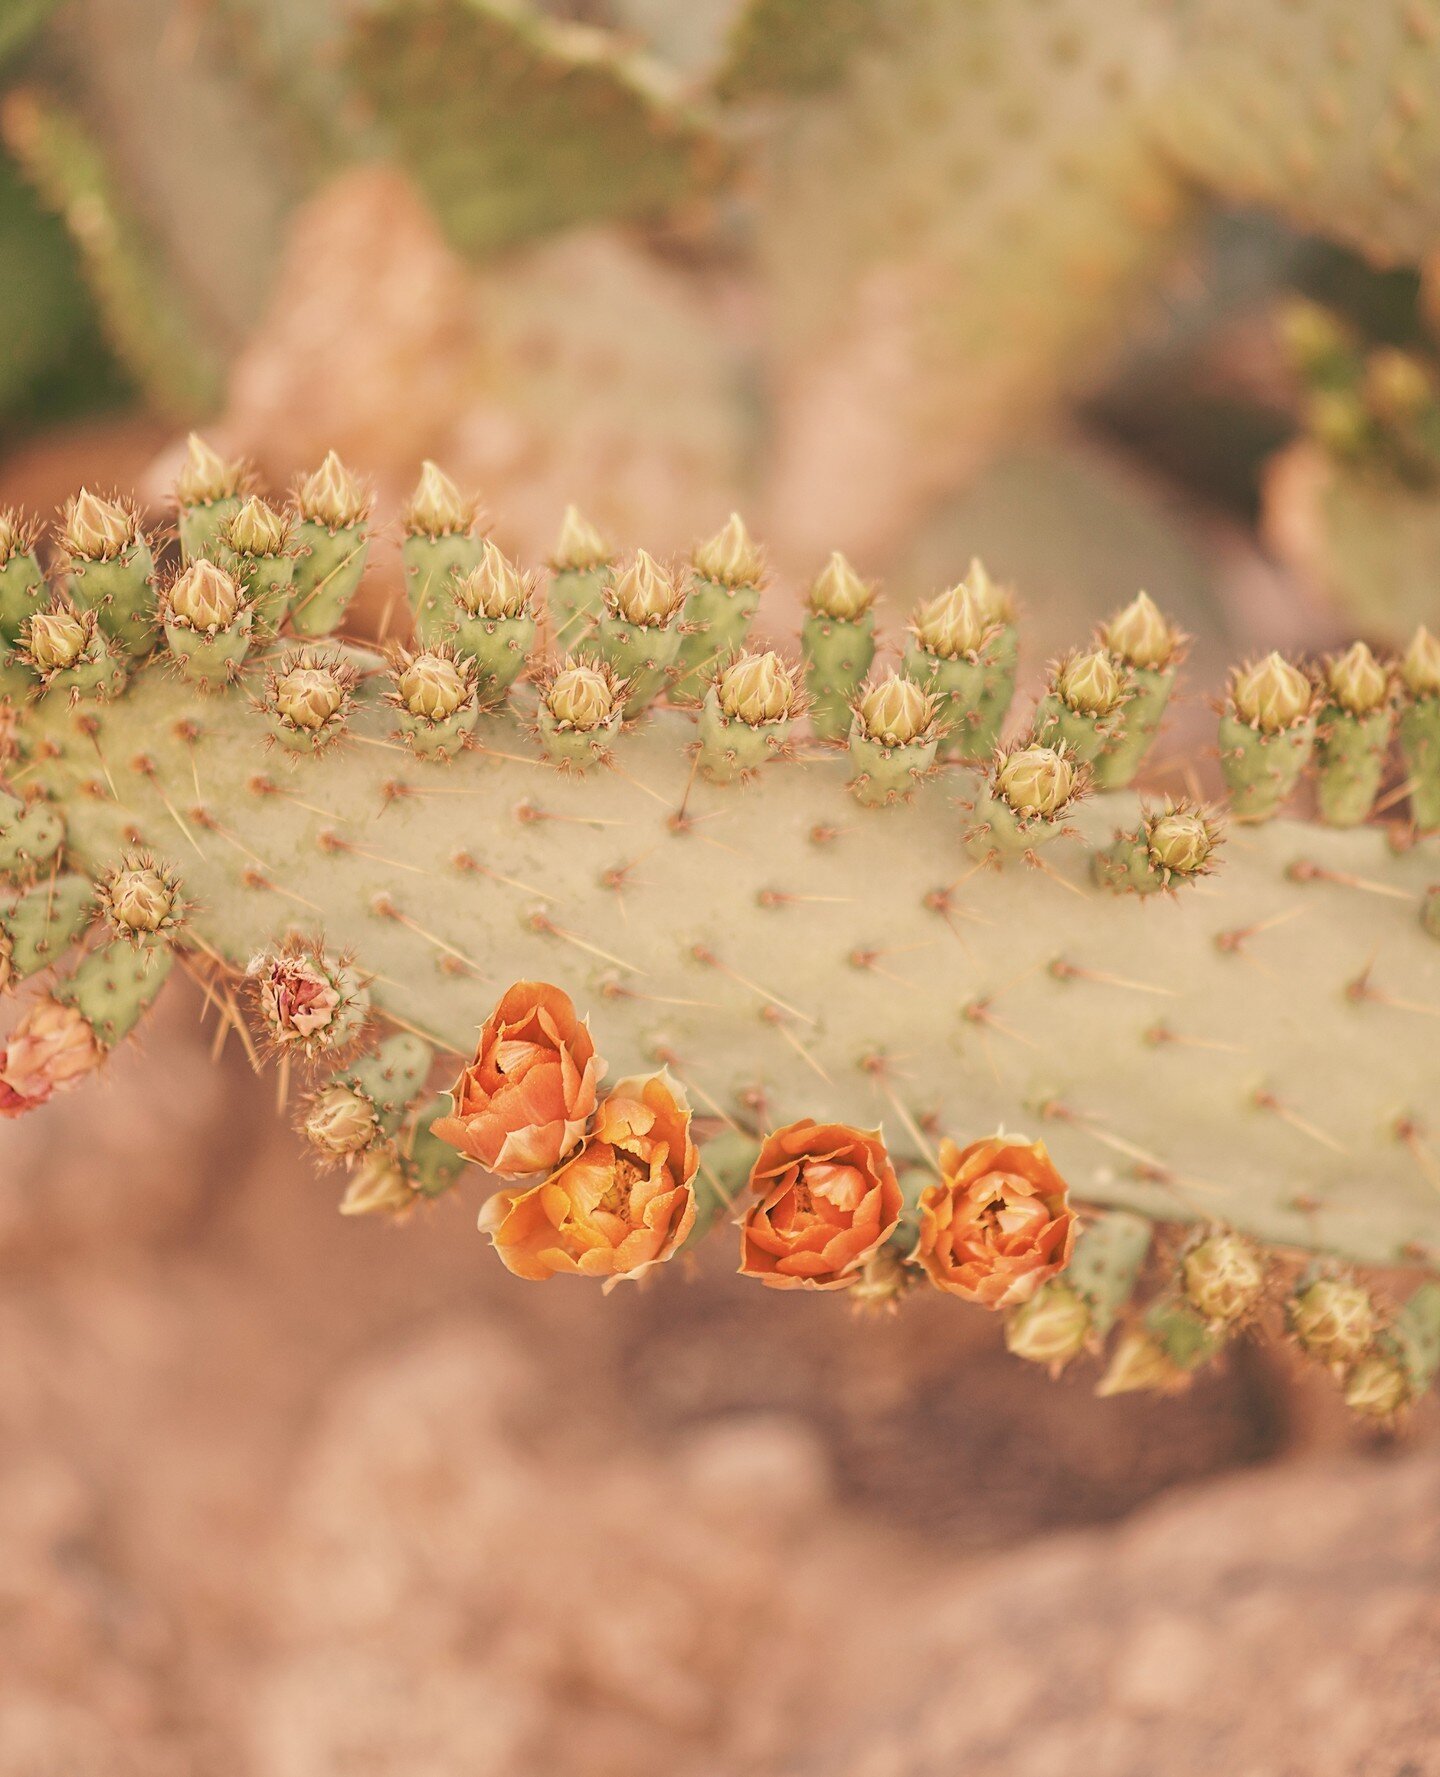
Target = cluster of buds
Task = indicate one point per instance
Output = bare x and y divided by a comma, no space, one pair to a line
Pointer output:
582,705
309,1002
746,716
838,642
1029,794
435,693
208,624
894,737
638,634
1167,849
309,693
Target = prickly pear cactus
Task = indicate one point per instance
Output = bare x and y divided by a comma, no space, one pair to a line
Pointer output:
821,966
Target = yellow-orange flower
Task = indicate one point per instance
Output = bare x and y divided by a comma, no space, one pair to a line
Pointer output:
625,1202
826,1197
53,1047
523,1103
998,1223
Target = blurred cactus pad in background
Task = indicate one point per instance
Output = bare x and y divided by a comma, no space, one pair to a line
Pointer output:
901,891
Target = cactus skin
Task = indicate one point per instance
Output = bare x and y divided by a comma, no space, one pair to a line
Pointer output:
715,622
1419,731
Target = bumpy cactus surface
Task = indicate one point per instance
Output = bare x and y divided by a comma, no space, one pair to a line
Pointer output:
1225,1022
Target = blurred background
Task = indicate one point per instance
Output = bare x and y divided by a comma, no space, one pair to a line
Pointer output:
1113,293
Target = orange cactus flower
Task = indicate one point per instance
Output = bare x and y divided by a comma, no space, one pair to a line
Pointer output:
998,1223
625,1202
523,1103
826,1197
53,1047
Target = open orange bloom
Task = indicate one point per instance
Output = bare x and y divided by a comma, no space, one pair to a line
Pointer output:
625,1202
523,1103
827,1197
998,1224
53,1047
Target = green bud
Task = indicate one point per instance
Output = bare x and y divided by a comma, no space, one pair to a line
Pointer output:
839,593
333,497
1271,695
580,548
495,589
207,476
756,689
93,529
729,558
1140,636
645,594
1357,681
437,508
1051,1328
895,712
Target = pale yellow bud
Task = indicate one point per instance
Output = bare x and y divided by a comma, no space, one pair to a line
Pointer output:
952,623
1334,1319
1037,780
581,696
895,712
207,476
203,597
138,897
993,600
757,688
1357,681
839,593
341,1121
1140,636
1140,1364
437,507
97,530
495,588
579,548
729,557
880,1283
1089,683
433,684
1397,385
1051,1328
1377,1387
645,594
17,535
1272,695
1420,669
257,529
333,497
309,694
1181,840
1223,1276
56,639
379,1187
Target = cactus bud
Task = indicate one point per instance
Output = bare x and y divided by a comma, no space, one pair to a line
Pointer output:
1378,1387
140,899
756,688
951,624
1141,1364
496,589
1223,1275
729,558
1357,681
17,535
433,684
579,549
1420,666
1334,1320
1036,780
880,1282
333,497
380,1187
340,1122
437,508
1089,683
895,712
93,529
581,696
1051,1328
645,594
257,529
1181,841
838,592
307,999
996,602
1398,387
1140,636
56,639
308,698
203,597
52,1049
207,476
1271,695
